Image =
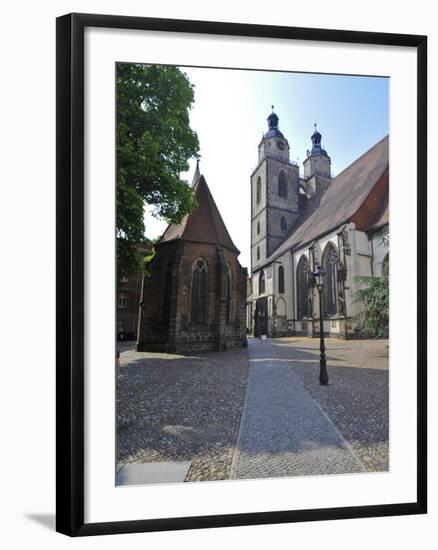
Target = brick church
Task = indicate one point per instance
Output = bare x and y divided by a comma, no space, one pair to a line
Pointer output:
299,223
195,297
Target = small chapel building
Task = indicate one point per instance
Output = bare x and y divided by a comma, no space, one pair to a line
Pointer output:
195,297
299,223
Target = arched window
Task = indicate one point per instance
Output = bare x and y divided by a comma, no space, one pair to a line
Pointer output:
165,312
261,282
199,293
282,188
258,228
283,224
281,279
258,253
302,288
330,292
259,190
228,296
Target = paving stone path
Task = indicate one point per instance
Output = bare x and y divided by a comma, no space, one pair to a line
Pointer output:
284,431
178,408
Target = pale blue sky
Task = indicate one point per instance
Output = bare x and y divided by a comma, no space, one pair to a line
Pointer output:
229,115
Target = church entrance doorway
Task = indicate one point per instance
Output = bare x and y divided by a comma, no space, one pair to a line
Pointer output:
261,317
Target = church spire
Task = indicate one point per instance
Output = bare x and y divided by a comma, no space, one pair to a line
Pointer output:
197,174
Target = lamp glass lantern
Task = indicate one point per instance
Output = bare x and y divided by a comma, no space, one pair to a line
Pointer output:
319,275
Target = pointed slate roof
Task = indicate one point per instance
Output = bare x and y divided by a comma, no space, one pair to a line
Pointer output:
204,224
358,194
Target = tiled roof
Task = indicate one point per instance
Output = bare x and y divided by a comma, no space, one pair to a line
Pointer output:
358,194
204,224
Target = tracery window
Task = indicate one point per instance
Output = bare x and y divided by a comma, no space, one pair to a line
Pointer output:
199,293
261,282
259,190
281,279
303,288
330,292
282,188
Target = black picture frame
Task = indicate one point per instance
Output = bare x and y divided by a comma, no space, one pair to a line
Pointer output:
70,273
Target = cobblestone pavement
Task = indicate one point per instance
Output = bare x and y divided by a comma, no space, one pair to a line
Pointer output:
174,407
284,431
357,398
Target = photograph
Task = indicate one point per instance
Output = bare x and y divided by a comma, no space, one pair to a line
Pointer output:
252,336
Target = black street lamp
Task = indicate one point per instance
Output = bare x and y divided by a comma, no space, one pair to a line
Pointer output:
318,276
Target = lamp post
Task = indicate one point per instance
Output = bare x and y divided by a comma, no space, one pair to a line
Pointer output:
318,276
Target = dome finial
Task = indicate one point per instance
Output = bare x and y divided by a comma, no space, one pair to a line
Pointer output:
272,120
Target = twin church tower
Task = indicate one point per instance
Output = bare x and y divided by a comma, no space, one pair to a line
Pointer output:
278,193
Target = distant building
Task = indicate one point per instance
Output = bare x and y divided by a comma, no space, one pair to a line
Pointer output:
128,299
300,223
195,297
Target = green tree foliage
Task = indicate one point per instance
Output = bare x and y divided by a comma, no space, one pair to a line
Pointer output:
375,297
154,144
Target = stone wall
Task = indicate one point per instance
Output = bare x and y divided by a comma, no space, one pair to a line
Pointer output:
178,333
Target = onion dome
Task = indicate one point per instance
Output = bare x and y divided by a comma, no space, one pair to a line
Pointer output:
316,144
273,130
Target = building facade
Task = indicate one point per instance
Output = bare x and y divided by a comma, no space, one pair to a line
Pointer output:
128,299
195,297
299,223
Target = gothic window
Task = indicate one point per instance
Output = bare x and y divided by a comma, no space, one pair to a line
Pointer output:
123,300
261,282
302,288
259,190
281,279
258,253
282,189
228,296
258,228
283,223
199,293
165,312
330,294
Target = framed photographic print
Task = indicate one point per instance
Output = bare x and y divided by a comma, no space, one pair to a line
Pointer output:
241,274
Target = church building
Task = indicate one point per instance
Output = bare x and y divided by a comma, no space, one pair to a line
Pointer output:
195,297
299,223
